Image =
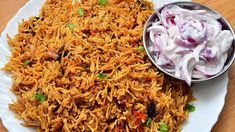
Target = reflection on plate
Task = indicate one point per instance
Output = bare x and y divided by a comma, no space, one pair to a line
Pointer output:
210,96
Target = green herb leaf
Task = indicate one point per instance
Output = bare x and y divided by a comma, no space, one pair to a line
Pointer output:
26,62
71,25
80,11
40,97
102,2
148,122
163,127
62,55
190,108
141,48
101,75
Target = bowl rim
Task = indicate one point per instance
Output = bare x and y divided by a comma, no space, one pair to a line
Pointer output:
154,15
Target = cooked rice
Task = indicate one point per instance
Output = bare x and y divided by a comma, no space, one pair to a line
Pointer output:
93,76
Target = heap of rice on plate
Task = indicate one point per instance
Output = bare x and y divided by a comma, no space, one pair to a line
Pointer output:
81,66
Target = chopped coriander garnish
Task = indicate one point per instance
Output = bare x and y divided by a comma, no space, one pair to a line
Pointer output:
101,75
62,55
102,2
163,127
71,26
26,62
190,108
141,48
80,11
148,122
40,97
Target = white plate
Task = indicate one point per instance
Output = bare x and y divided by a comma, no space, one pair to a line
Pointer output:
210,96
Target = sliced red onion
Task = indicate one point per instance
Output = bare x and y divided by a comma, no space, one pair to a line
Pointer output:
155,30
209,53
212,25
180,42
212,67
197,74
178,71
197,51
152,37
192,34
189,43
173,32
169,46
162,60
168,13
187,66
184,43
158,43
225,39
169,68
156,23
213,16
183,50
187,13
